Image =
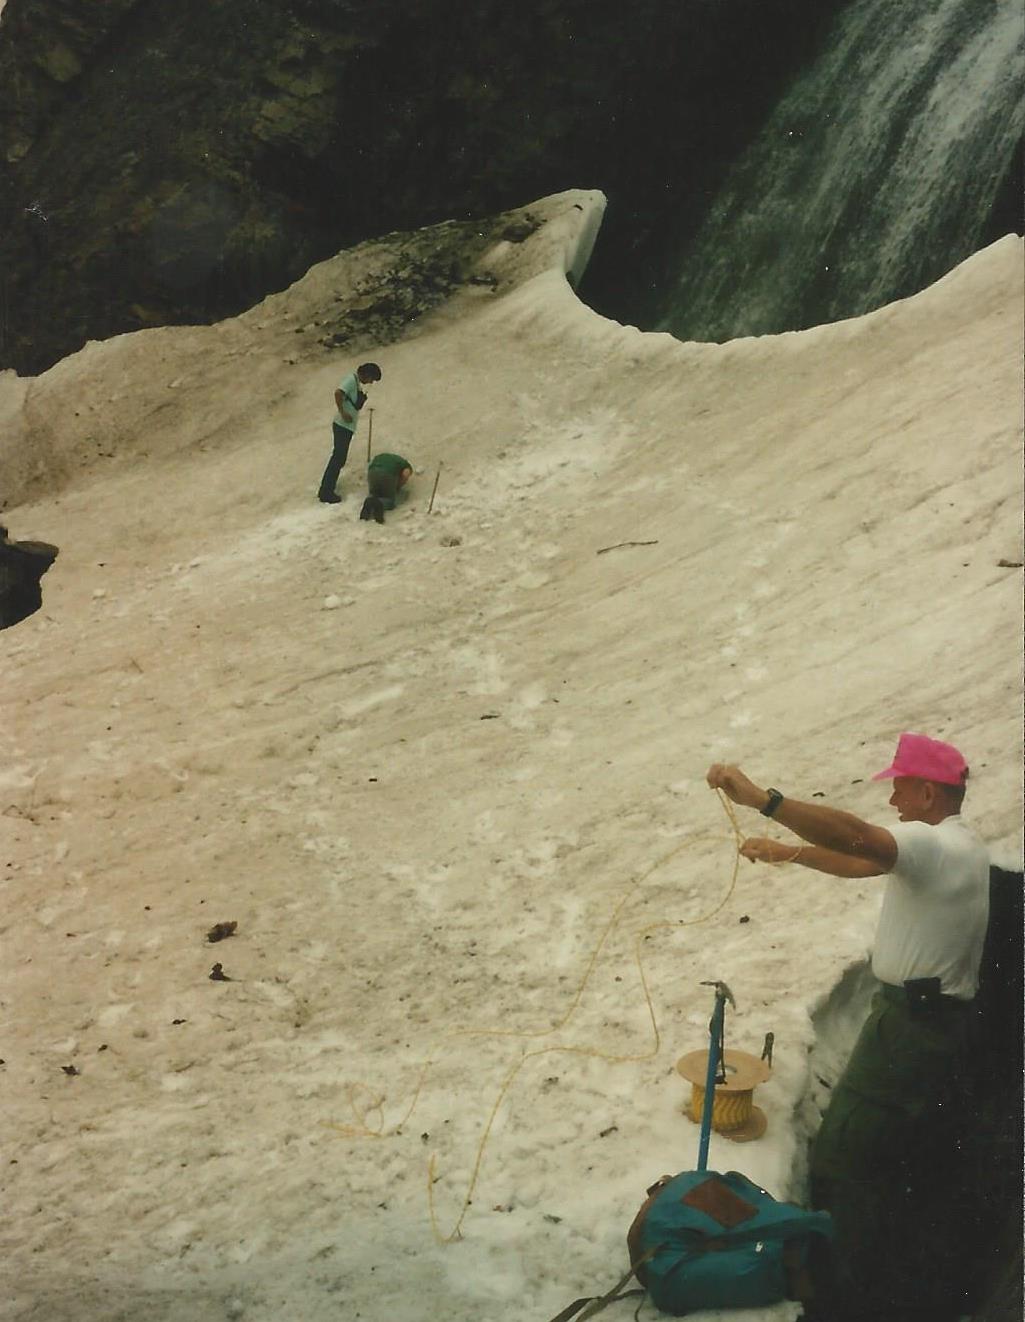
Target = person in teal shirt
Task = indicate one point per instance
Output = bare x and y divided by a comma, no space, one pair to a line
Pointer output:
349,399
387,474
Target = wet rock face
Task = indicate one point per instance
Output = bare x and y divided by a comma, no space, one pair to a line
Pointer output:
175,163
22,566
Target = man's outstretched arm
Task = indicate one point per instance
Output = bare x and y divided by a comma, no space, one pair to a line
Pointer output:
759,849
831,828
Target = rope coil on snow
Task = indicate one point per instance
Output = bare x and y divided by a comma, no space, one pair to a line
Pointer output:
364,1103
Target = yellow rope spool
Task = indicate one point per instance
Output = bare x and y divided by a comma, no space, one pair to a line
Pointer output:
734,1114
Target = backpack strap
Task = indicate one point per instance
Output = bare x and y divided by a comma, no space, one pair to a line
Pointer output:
594,1304
597,1304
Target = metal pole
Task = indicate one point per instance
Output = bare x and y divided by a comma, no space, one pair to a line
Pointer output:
370,435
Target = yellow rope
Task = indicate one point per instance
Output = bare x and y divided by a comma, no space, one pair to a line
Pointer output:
375,1104
730,1111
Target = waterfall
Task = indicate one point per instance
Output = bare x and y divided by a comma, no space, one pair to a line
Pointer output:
876,174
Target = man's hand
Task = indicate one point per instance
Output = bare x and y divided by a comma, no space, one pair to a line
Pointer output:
736,786
759,849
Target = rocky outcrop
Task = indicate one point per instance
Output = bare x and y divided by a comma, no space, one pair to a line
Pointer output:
22,566
174,163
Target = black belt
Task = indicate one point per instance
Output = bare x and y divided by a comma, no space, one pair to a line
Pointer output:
922,994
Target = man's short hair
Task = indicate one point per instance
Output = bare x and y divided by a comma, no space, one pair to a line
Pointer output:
369,371
953,795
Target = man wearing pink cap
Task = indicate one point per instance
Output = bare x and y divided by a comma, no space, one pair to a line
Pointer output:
868,1163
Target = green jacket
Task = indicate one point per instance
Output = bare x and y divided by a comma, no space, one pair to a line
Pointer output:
392,464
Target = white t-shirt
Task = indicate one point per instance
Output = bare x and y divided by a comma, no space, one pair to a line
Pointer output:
349,386
935,908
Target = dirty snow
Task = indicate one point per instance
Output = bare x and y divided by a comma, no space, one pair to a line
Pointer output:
447,774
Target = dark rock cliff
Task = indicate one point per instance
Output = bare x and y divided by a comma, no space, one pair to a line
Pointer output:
174,163
22,566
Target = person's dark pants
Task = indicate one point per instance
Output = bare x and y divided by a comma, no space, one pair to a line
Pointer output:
339,454
883,1161
383,485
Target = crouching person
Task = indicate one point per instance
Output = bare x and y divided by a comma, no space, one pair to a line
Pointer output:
387,474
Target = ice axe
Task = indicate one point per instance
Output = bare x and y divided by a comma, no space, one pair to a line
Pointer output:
716,1072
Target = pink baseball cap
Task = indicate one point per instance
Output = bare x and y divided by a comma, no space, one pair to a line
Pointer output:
926,759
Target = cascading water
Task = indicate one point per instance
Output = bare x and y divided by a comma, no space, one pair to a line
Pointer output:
876,174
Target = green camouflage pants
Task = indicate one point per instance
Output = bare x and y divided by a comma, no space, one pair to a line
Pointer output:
884,1151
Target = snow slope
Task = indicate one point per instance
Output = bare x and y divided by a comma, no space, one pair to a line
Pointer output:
447,774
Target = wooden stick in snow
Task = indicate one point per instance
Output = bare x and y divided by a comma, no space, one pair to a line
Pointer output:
619,544
437,477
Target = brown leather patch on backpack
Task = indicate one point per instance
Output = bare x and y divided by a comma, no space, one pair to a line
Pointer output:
719,1202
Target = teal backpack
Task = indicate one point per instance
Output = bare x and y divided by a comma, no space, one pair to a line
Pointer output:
705,1240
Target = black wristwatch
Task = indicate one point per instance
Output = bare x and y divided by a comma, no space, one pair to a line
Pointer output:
775,799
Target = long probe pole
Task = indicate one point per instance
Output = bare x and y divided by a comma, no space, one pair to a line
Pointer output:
437,477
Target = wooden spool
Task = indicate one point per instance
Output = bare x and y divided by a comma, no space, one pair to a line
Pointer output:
734,1114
